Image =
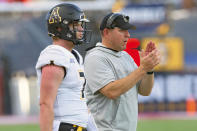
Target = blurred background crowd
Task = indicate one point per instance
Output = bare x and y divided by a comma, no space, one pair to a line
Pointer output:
171,24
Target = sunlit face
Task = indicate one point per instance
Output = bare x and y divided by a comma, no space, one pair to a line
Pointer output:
78,27
118,38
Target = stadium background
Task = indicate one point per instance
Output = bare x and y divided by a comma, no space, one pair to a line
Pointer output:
170,23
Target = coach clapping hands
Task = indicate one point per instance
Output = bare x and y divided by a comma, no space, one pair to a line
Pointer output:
150,57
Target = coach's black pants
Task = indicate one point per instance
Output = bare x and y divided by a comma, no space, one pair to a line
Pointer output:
70,127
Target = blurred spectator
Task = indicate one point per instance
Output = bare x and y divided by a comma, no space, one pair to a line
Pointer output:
188,4
132,49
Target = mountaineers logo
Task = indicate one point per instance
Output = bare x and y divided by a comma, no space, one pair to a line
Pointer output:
82,16
55,17
126,18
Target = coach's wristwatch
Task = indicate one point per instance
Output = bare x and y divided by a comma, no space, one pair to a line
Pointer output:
150,73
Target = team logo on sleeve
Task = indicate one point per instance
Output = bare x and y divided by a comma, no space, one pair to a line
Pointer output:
72,60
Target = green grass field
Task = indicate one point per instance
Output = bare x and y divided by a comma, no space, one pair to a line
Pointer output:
28,127
143,125
167,125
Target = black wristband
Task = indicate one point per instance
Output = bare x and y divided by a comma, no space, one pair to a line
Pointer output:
150,73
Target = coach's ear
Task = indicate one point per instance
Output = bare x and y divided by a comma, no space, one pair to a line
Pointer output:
106,32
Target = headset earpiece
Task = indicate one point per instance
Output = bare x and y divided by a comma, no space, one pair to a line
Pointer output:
111,19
